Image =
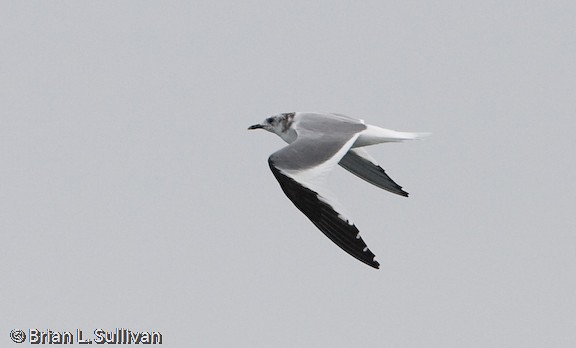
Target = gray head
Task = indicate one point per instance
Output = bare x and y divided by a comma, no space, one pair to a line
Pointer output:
278,124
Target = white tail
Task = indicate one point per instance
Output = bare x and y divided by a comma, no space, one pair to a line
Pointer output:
376,135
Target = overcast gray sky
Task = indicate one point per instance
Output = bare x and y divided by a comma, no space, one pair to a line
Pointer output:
132,195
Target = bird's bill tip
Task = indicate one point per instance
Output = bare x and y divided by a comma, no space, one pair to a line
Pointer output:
255,126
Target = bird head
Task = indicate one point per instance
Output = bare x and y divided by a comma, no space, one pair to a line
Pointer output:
278,124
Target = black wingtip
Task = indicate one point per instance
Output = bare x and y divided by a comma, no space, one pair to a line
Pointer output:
323,216
370,172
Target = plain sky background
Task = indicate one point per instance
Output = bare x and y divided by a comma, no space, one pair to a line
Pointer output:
132,195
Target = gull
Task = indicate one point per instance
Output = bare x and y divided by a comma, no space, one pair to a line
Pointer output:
317,142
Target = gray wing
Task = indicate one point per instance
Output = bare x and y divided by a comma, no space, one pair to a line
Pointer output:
327,123
300,169
359,163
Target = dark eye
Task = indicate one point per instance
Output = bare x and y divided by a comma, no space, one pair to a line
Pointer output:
270,119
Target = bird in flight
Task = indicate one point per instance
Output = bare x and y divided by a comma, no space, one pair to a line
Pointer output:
317,142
